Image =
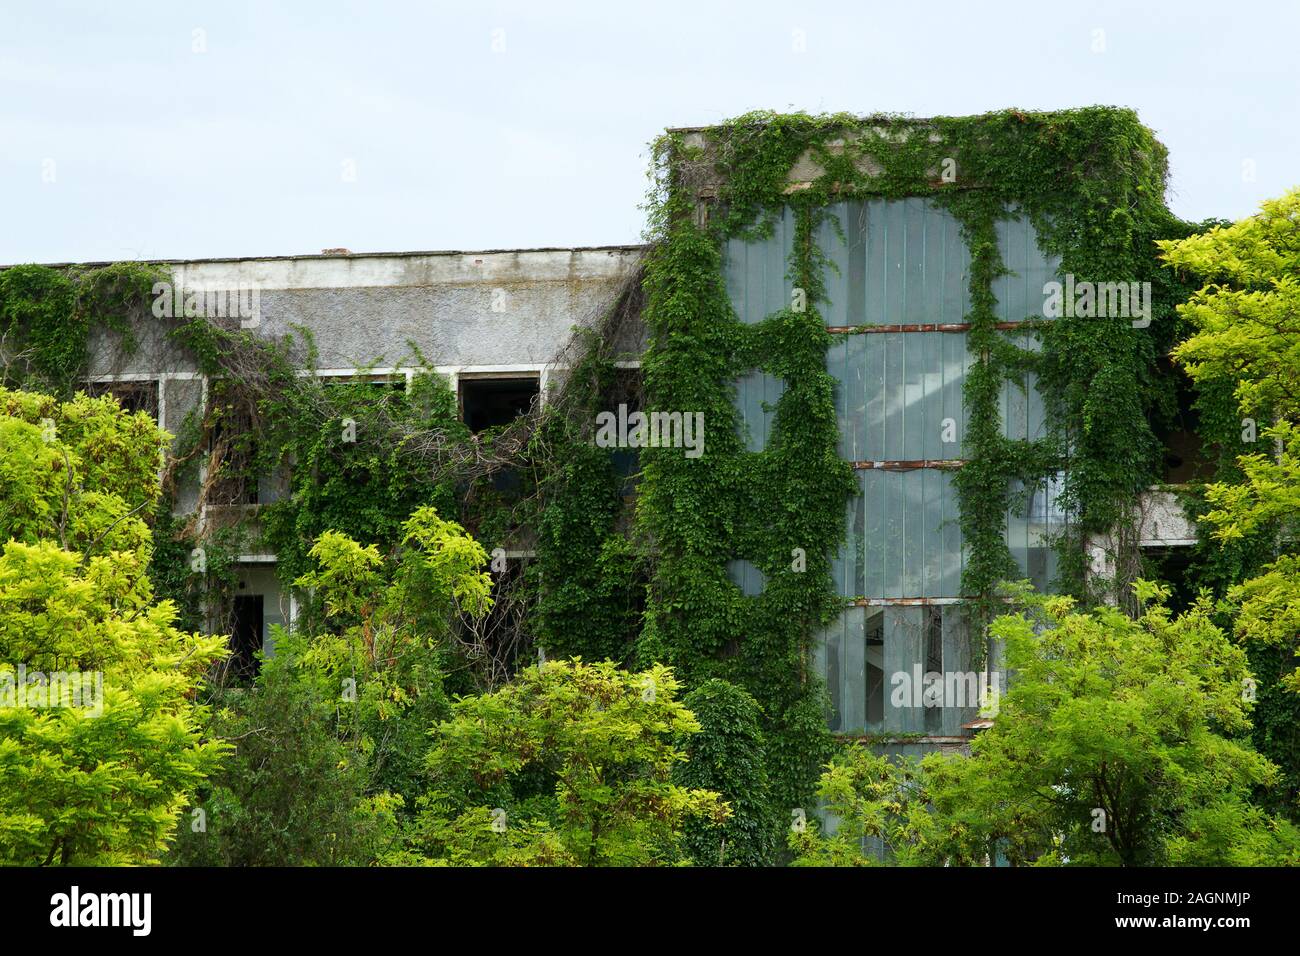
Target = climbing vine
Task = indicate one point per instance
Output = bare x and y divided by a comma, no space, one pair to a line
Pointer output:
47,316
653,586
1090,181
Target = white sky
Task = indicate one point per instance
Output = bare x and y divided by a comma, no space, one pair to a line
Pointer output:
157,151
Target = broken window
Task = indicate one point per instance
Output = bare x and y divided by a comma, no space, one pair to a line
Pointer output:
493,401
876,660
246,637
1047,506
234,449
622,397
132,396
488,401
933,623
875,667
1184,458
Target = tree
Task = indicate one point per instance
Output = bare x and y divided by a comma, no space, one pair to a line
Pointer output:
1246,318
1115,733
77,473
331,739
570,764
387,636
880,812
727,756
1118,742
103,778
1246,339
293,792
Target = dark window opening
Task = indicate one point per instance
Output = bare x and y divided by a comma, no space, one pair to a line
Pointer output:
1173,566
495,401
232,439
623,395
246,637
499,641
1184,457
876,671
132,396
492,402
934,663
624,388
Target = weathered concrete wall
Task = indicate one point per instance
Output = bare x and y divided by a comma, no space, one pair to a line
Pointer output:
1161,522
460,309
484,310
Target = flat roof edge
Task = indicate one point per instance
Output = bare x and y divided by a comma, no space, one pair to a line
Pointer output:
631,247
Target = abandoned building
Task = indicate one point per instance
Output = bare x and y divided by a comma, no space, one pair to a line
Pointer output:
496,320
896,306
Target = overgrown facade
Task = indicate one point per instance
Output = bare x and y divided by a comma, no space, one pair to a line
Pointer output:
897,417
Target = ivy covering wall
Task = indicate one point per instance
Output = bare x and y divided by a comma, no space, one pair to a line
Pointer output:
650,584
1092,183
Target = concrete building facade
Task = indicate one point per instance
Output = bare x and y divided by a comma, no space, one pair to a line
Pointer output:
897,301
496,318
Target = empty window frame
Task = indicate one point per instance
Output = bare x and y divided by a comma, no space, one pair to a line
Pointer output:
247,637
249,615
622,396
489,399
1173,565
139,396
378,383
233,442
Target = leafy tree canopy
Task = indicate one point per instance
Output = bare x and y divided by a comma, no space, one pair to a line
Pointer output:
569,764
1117,743
101,779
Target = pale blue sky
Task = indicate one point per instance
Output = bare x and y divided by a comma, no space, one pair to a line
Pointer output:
157,151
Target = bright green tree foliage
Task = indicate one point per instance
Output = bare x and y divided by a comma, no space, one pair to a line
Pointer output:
389,626
1117,743
1247,316
877,804
1246,321
102,782
77,473
332,737
570,764
1116,738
